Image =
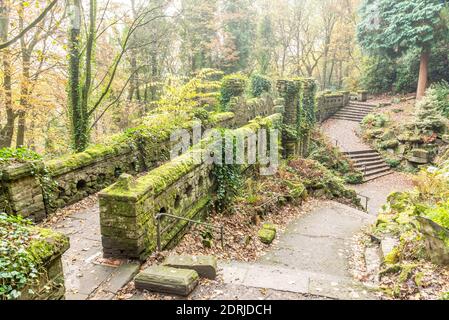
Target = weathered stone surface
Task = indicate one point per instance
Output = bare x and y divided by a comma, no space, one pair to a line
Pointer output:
205,266
267,236
269,226
387,246
419,156
417,160
167,280
437,241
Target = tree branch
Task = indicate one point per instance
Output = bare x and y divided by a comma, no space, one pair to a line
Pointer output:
30,26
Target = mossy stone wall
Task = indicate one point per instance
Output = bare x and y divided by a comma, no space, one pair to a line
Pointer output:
47,248
182,187
21,191
329,104
246,110
79,175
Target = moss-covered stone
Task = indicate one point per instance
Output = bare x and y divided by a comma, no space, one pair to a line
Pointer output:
269,226
266,236
389,144
167,280
205,266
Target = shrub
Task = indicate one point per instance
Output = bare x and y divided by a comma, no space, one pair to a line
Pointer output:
439,94
428,117
21,154
375,121
201,114
259,85
439,214
354,178
393,163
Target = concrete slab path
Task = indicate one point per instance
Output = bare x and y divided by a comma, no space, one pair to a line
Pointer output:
310,258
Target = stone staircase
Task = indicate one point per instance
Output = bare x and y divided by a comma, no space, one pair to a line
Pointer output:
354,111
371,163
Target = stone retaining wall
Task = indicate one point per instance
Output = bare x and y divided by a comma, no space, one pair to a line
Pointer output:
246,110
77,176
329,103
182,187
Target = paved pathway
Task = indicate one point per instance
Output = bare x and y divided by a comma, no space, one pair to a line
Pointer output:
310,261
310,258
87,276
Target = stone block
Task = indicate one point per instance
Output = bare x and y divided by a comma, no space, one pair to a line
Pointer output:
167,280
266,236
269,226
436,240
205,266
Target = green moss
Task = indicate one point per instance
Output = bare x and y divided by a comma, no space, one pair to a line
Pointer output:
269,226
390,144
46,243
266,236
406,273
392,257
419,279
158,179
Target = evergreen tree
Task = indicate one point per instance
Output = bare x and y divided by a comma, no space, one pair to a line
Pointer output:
240,27
393,27
265,44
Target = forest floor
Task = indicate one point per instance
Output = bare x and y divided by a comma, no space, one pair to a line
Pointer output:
312,257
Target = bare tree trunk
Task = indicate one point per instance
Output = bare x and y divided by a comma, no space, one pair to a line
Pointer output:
423,74
24,97
7,131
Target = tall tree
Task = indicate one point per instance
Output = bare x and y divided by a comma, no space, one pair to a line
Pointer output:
85,99
198,29
264,44
7,130
394,27
240,28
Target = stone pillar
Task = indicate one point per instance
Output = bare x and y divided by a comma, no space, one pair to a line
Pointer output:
289,91
362,95
346,97
22,192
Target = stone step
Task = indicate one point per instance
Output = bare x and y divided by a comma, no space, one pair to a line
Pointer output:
351,113
369,164
377,176
360,152
365,157
347,118
357,108
167,280
205,266
280,278
364,104
374,168
377,171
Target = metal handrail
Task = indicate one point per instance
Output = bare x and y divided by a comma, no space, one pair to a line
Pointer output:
159,216
367,199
